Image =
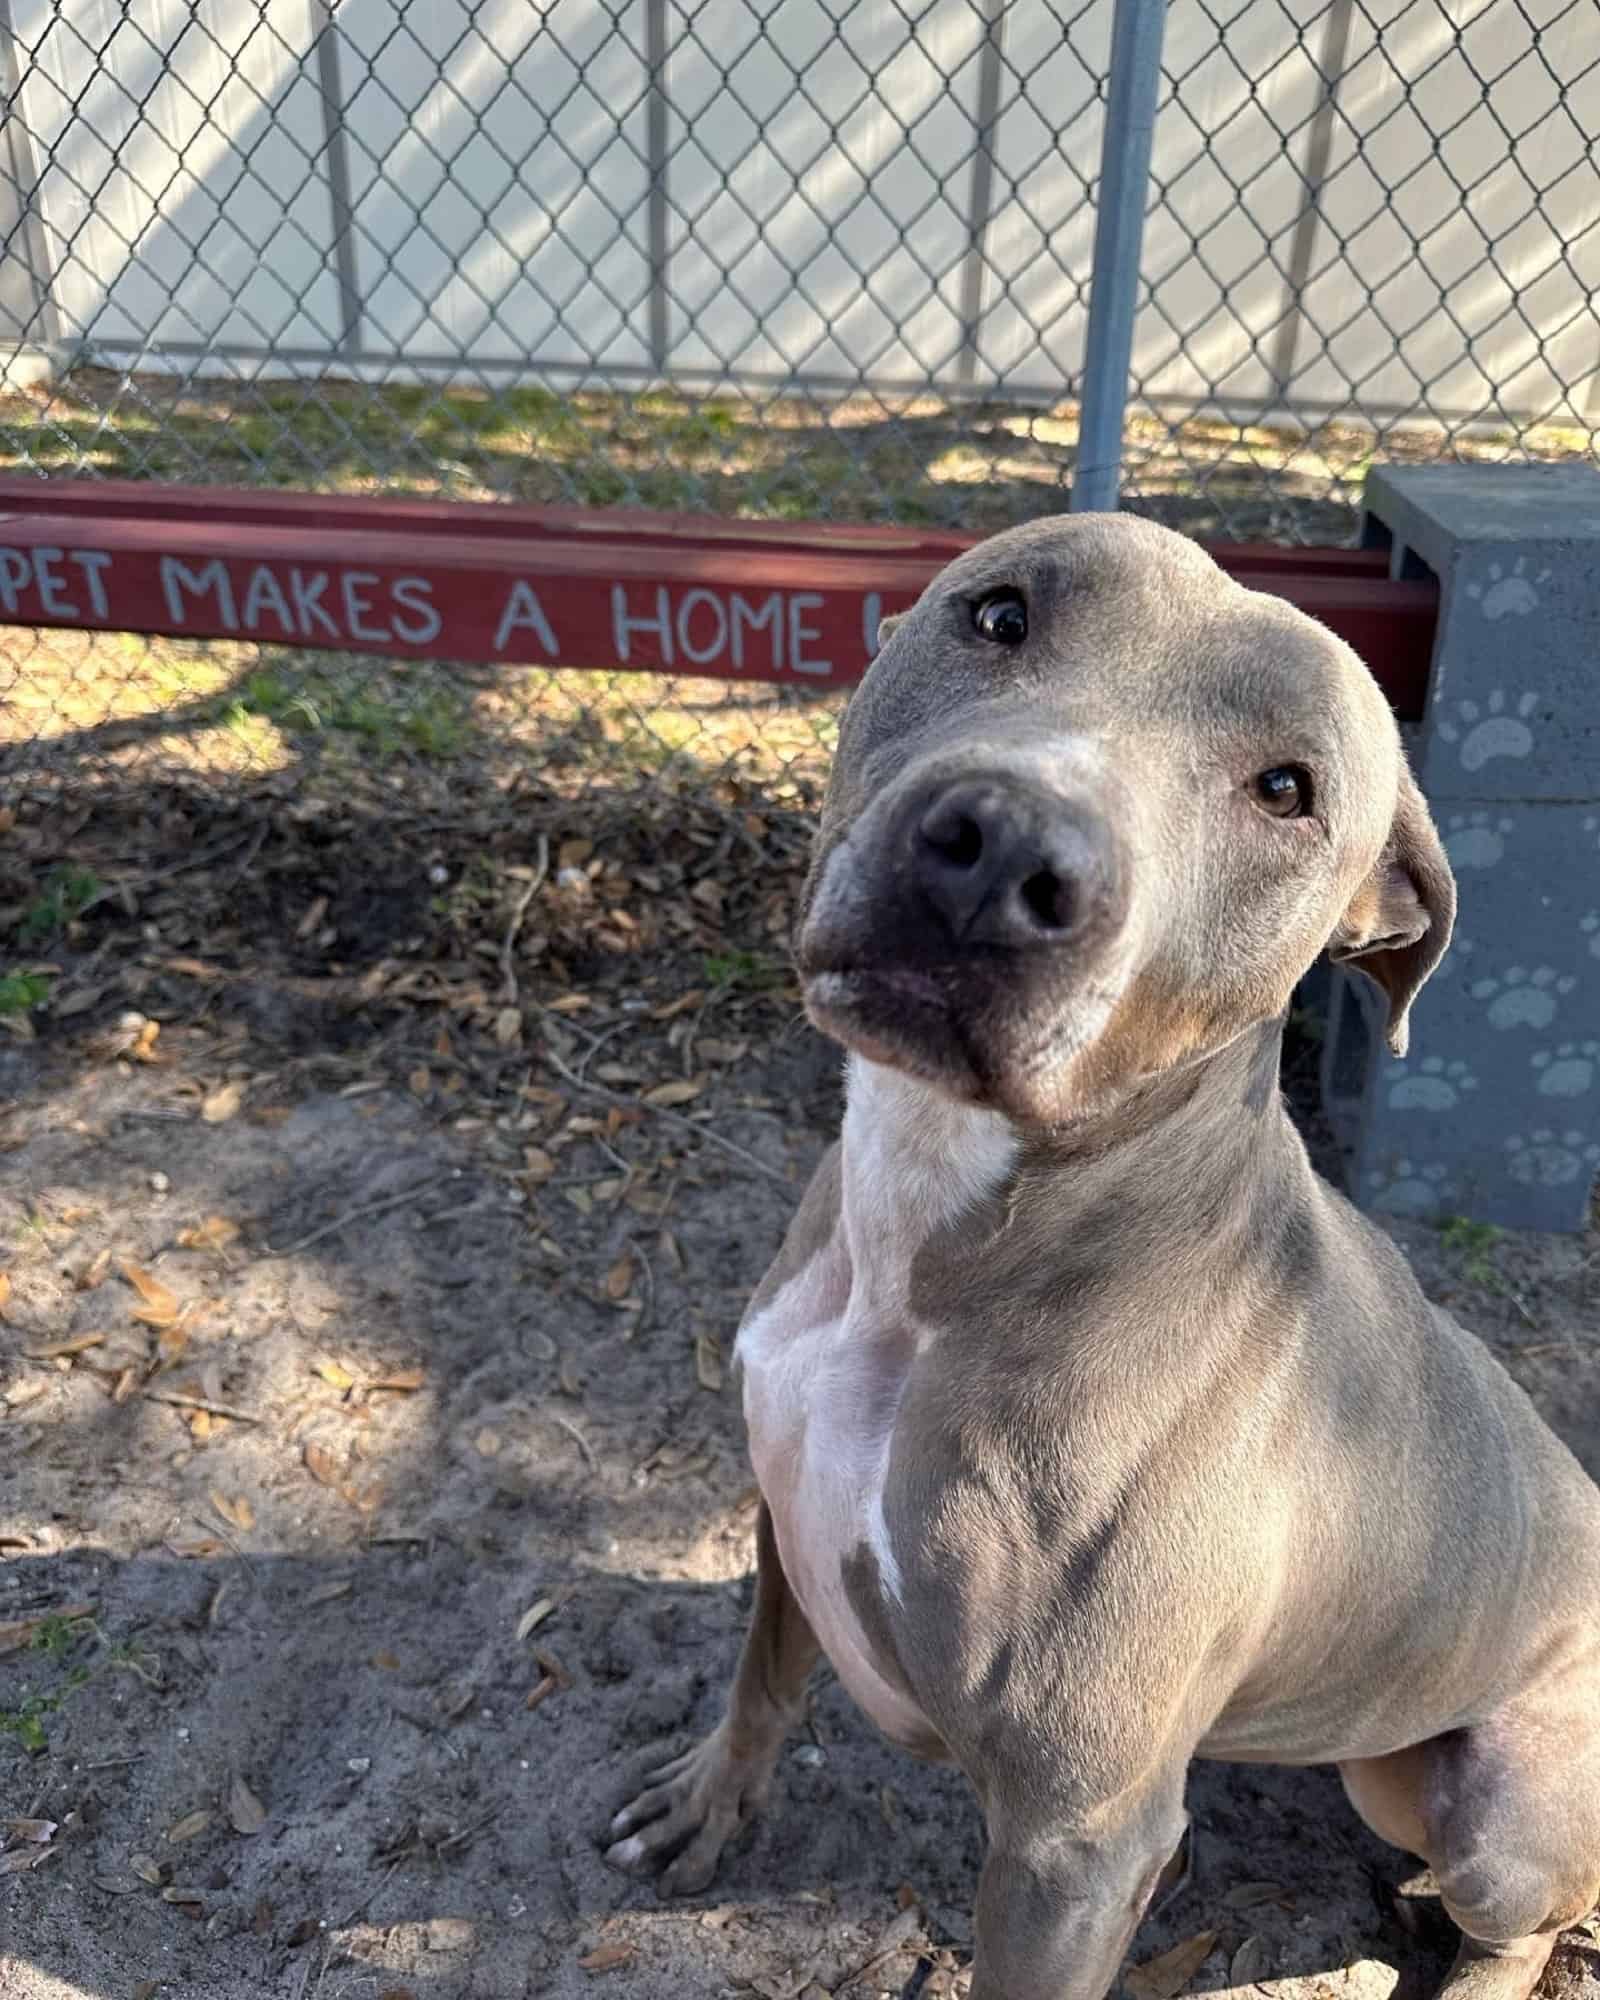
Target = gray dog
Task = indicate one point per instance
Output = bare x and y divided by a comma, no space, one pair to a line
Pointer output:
1094,1432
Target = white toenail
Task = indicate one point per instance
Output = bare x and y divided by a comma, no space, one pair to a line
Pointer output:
630,1850
619,1823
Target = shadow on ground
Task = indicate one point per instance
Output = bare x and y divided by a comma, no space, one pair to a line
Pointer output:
351,1545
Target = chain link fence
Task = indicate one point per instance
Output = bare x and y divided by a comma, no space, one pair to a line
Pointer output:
809,260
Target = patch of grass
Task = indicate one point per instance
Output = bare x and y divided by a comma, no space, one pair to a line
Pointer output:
1472,1243
66,894
54,1640
22,991
434,723
752,970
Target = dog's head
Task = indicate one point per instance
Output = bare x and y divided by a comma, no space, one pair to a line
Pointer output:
1095,810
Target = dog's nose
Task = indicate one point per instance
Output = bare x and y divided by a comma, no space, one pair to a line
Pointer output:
1004,863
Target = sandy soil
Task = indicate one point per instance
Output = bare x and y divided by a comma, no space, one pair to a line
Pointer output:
329,1696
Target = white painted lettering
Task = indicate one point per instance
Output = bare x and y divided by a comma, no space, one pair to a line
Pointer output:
177,577
801,602
686,610
92,562
770,614
50,585
15,571
356,606
415,594
308,604
622,624
524,613
264,596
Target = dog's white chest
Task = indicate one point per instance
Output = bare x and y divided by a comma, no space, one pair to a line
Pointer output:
827,1360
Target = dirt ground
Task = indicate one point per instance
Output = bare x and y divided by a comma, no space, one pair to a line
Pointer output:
379,1190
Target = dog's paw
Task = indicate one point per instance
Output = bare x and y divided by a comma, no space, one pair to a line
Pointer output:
686,1813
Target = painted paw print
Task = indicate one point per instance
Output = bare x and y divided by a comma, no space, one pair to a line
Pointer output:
1523,999
1567,1071
1430,1085
1475,840
1509,593
1550,1159
1412,1190
1590,928
1490,730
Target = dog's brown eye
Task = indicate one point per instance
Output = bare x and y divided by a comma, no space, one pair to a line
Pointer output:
1001,616
1284,791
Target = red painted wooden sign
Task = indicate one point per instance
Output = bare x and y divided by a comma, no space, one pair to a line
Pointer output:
412,579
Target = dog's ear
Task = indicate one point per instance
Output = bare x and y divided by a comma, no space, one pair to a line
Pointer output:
1399,920
886,627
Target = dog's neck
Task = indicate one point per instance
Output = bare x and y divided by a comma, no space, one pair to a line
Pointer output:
1182,1155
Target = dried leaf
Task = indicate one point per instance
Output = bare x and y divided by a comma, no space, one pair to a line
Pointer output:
23,1858
1163,1977
1246,1895
717,1051
537,1164
402,1378
707,1362
487,1443
620,1277
325,1593
387,1662
215,1233
682,1090
43,1830
246,1813
568,1380
419,1083
534,1616
322,1465
190,1825
570,1003
144,1047
81,1345
158,1306
548,1664
5,1291
1249,1963
541,1691
312,918
170,1344
237,1513
507,1026
197,1547
334,1373
222,1103
147,1870
607,1957
93,1274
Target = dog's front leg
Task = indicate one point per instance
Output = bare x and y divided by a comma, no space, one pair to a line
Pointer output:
1057,1905
692,1805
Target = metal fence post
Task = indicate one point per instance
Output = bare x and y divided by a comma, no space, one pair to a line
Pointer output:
1132,88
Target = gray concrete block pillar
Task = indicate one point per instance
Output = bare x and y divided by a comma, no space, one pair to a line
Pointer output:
1495,1113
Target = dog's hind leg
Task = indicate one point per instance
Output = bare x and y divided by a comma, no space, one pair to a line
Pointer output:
691,1806
1507,1815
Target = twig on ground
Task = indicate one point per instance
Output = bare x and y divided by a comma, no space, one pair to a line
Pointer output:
667,1117
369,1898
508,964
183,867
216,1528
179,1401
359,1214
566,1424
